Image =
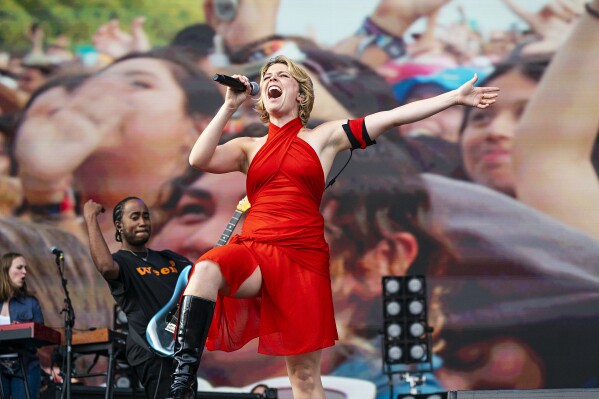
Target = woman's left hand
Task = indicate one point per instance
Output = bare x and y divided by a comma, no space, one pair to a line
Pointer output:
479,97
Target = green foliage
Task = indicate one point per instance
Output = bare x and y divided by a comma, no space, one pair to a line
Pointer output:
14,21
79,19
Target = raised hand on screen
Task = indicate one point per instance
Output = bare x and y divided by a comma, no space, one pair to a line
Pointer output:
110,39
552,23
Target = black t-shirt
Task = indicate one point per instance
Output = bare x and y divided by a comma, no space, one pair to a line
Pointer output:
142,289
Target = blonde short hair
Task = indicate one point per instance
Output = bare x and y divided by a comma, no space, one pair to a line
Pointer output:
306,88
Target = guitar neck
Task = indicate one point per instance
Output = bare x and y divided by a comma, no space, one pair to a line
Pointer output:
224,238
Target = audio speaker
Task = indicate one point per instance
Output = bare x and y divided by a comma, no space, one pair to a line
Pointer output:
576,393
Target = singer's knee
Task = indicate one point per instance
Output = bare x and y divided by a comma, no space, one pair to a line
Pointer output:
206,280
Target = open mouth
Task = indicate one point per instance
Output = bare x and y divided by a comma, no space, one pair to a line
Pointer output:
274,92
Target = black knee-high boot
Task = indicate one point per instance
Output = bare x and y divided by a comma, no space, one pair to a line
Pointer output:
195,317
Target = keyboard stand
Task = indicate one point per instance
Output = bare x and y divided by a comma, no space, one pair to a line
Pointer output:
19,353
103,342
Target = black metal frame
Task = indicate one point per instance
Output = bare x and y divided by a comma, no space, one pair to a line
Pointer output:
409,371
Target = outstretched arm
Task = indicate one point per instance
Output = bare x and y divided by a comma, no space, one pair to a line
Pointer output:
467,94
553,141
381,122
97,245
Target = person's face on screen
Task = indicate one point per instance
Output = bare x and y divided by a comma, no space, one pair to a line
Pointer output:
124,130
356,273
202,214
488,138
31,79
150,133
153,95
444,125
495,363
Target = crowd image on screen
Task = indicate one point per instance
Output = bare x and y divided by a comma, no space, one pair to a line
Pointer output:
497,206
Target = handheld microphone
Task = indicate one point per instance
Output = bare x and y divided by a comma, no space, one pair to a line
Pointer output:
235,84
56,252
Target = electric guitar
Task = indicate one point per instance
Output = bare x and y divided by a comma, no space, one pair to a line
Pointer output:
161,328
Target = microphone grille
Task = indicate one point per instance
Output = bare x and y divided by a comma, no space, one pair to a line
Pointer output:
255,88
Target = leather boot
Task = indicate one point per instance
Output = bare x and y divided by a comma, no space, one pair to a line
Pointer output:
195,317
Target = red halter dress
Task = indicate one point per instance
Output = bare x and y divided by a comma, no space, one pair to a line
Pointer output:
283,234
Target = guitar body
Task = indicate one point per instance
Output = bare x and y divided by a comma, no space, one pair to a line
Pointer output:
160,332
161,328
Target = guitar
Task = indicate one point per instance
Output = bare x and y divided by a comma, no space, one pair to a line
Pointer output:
161,328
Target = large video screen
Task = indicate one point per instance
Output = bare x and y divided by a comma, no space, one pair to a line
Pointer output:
492,207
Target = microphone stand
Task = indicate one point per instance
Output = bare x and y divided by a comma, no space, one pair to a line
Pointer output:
69,322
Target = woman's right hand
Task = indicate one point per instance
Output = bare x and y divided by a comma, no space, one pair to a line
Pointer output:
234,98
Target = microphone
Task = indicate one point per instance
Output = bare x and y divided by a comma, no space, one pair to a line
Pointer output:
57,252
235,84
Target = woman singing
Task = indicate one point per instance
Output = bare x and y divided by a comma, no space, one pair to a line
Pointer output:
272,281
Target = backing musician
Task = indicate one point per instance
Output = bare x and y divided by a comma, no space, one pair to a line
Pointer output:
18,306
141,281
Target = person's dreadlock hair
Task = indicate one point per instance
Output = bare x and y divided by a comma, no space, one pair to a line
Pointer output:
117,215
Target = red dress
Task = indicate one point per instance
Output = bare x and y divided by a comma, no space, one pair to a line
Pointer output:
283,233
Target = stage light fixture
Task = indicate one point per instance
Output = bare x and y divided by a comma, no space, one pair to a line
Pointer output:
405,332
416,307
394,353
392,286
417,329
393,330
416,285
435,395
393,308
418,352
